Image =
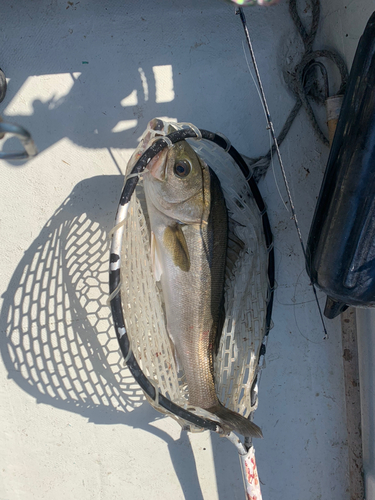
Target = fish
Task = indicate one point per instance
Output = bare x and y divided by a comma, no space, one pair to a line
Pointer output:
189,239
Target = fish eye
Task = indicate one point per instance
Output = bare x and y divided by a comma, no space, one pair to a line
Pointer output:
182,169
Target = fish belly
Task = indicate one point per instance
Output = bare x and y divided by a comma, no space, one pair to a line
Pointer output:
190,320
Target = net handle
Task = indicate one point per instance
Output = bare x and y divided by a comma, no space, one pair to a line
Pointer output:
115,258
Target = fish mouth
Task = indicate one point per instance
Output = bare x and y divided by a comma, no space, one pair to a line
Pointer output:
157,166
154,131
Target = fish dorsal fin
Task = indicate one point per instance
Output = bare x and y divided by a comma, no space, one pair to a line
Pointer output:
234,249
175,243
155,258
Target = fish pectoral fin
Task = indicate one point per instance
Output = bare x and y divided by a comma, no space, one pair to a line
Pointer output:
155,258
175,243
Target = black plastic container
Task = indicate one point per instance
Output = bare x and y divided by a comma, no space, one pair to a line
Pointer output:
341,244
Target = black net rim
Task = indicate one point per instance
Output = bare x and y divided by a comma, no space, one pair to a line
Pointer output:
115,260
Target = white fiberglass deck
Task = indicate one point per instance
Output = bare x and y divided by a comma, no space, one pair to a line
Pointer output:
85,78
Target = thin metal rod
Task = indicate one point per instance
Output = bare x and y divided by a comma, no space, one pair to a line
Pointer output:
272,130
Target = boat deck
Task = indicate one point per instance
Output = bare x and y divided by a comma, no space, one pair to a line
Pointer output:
85,78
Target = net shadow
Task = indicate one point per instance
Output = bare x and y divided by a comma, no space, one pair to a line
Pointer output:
57,342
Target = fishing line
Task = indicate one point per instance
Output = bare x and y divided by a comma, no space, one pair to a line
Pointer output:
274,176
270,136
253,78
272,131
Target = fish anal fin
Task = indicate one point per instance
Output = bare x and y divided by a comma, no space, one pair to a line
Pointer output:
175,243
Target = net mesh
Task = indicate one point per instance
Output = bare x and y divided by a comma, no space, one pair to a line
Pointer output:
247,293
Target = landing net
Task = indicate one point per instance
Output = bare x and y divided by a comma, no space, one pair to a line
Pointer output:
248,292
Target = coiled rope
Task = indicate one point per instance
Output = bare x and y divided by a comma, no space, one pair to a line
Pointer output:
303,84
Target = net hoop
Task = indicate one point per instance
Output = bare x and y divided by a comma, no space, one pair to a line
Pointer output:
152,393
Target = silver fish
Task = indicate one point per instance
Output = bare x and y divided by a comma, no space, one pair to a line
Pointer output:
189,233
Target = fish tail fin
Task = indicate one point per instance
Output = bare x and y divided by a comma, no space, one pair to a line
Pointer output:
233,421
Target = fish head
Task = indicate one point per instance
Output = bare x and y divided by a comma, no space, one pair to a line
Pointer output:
177,183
